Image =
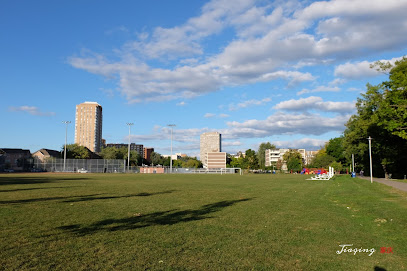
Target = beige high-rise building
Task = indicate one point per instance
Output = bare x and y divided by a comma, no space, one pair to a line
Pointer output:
88,125
210,142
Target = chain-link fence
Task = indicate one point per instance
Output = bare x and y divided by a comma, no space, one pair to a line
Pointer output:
81,165
205,170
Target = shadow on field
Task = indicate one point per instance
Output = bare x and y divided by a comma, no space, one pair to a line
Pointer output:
36,188
10,180
80,198
170,217
87,198
21,201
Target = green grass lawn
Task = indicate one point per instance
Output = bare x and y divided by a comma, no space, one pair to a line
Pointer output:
198,222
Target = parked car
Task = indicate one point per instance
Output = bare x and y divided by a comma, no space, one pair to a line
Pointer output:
82,170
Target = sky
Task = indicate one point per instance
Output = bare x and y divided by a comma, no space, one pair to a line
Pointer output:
284,72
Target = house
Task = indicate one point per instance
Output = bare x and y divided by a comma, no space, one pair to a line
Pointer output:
15,159
45,154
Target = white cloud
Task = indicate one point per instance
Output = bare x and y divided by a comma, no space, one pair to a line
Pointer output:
270,38
316,104
32,110
359,70
303,143
252,102
181,103
319,89
209,115
286,124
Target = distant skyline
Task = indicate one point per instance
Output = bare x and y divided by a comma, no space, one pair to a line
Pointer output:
285,72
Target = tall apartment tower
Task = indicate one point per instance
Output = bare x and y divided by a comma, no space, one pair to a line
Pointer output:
88,125
210,142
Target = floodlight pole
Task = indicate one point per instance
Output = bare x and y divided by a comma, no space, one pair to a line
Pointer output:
128,149
370,156
66,135
171,125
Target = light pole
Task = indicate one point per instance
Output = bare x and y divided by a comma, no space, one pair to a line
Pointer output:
370,155
66,135
172,126
128,151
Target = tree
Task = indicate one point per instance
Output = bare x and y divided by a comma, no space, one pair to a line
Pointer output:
237,162
381,114
250,160
74,151
335,148
121,153
109,153
156,158
322,159
393,110
293,160
261,153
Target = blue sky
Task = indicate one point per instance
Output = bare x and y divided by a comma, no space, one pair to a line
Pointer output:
285,72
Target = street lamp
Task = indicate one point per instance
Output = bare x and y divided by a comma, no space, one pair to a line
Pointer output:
128,151
66,135
172,126
370,156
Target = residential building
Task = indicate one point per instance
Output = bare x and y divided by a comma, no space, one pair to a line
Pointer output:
309,156
215,160
209,142
15,159
88,126
147,154
133,147
45,154
273,155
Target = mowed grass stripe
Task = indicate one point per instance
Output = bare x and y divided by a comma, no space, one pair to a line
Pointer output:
197,222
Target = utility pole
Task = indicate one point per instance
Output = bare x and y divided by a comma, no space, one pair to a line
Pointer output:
128,149
370,155
66,135
171,125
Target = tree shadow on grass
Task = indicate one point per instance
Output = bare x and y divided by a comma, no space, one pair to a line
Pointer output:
10,180
169,217
80,198
144,194
35,188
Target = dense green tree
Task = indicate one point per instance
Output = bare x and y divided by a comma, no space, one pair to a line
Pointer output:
392,113
236,162
261,153
322,159
293,160
156,158
74,151
121,153
109,153
193,163
335,148
381,114
250,160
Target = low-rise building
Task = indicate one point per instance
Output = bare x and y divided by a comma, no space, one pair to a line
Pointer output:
15,159
44,154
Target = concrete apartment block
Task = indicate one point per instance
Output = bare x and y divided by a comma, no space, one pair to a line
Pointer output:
209,142
88,126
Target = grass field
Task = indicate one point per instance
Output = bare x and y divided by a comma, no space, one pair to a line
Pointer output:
198,222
